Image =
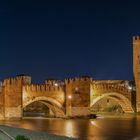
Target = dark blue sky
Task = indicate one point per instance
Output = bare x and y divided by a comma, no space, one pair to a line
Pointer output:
67,39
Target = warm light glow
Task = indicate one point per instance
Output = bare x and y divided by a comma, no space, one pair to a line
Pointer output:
95,124
76,88
24,95
69,96
69,129
129,87
56,84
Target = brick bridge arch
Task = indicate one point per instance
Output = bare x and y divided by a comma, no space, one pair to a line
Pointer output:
122,100
51,103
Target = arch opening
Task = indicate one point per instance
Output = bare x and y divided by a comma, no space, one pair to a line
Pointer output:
49,107
118,102
36,109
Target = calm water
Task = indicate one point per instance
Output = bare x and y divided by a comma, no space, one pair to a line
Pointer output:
84,129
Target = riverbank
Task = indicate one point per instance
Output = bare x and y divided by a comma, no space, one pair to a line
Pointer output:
33,135
117,115
92,116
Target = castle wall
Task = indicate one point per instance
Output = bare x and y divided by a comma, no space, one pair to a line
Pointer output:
72,98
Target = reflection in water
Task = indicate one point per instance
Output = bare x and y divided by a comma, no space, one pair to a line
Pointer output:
94,123
84,129
69,129
136,127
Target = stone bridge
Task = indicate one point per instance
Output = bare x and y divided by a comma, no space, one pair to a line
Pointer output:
74,97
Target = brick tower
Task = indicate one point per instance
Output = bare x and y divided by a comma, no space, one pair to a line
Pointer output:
13,96
78,96
136,69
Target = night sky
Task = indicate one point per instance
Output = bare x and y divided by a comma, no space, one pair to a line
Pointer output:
68,39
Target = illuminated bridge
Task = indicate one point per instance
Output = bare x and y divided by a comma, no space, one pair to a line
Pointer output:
74,97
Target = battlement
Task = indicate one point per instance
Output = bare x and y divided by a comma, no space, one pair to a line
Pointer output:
12,81
50,82
18,80
42,88
136,39
1,89
54,82
78,80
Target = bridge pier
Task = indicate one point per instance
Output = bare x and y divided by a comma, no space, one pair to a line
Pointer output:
80,111
78,96
13,113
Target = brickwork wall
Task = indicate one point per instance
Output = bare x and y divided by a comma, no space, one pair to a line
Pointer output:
136,68
55,92
13,97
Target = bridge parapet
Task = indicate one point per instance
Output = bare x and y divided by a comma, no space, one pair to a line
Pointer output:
102,88
17,81
30,92
77,80
43,88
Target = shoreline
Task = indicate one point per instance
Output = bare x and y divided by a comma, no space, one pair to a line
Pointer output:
120,116
32,135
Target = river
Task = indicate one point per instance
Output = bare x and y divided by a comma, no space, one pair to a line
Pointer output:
85,129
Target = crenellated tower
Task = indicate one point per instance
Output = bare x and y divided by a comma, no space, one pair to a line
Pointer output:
136,69
78,96
13,96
